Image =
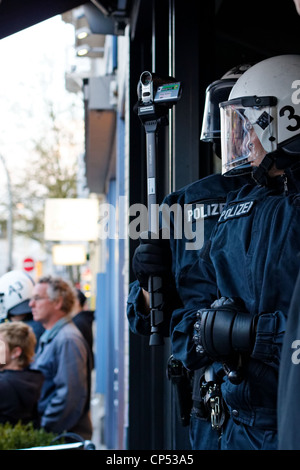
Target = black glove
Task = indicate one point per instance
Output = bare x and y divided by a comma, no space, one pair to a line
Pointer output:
224,329
151,258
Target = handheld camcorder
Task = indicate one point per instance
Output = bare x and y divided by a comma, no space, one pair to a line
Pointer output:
156,95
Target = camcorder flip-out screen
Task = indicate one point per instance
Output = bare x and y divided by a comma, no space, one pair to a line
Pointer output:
167,92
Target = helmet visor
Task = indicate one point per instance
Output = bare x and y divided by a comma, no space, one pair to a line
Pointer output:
244,133
216,93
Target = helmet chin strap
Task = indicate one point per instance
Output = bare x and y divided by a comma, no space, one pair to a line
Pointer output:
282,159
260,173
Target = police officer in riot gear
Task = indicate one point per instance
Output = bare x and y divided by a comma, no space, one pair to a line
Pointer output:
201,201
238,293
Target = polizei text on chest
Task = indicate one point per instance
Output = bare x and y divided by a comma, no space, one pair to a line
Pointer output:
237,210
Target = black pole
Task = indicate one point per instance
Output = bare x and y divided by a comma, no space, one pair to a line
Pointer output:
156,96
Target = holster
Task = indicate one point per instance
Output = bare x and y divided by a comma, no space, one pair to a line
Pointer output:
181,378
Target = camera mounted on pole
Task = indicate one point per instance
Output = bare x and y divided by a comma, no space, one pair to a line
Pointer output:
156,96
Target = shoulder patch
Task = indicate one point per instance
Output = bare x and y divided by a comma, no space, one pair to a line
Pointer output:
240,209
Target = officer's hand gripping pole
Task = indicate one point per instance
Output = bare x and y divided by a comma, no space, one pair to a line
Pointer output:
156,96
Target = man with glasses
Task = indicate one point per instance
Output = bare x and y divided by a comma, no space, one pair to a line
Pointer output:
63,358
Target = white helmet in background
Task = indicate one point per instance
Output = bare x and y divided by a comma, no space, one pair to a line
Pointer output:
15,293
262,116
215,93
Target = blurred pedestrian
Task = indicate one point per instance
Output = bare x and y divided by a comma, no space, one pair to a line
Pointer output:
63,357
83,319
20,386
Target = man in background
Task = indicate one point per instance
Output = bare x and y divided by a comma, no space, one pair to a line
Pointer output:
63,358
83,319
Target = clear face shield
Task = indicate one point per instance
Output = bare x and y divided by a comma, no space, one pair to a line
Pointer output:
215,93
248,133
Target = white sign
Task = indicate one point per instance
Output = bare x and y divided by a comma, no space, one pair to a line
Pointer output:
68,255
71,219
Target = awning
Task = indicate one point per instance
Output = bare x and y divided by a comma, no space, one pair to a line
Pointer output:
100,129
100,149
16,15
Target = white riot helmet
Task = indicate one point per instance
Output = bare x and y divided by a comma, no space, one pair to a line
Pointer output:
262,117
215,93
15,293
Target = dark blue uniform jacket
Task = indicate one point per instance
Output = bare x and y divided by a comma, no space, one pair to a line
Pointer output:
200,205
252,254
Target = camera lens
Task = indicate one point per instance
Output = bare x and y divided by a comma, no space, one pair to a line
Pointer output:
146,78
